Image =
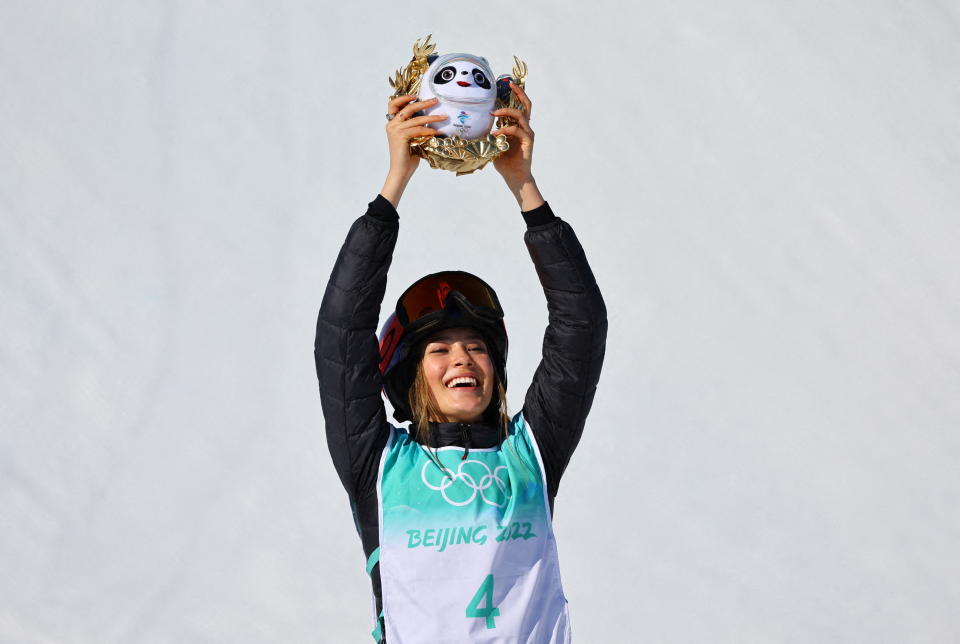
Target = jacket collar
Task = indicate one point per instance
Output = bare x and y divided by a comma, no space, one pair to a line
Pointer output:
469,435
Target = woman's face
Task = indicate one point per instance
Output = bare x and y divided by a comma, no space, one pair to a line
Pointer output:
460,373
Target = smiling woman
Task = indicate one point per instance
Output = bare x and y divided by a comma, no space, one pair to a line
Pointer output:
459,374
455,381
455,512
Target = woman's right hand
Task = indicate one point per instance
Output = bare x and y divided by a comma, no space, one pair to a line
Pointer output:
400,129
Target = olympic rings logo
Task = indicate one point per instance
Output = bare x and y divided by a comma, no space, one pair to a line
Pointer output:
462,479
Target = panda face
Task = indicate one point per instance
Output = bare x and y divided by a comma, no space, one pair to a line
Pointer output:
462,80
467,92
449,73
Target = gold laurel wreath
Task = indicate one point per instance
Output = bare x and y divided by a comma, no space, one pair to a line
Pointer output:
453,153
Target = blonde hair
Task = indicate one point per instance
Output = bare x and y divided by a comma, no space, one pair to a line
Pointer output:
424,409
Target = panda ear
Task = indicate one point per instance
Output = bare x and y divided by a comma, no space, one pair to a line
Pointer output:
431,58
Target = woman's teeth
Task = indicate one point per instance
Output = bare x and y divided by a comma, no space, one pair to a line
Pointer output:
463,381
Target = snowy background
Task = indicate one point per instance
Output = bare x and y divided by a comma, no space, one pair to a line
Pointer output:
768,193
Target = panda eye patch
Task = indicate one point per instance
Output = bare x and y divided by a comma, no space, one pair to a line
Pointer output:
445,75
480,79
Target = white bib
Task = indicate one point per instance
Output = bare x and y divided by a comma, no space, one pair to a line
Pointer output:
467,552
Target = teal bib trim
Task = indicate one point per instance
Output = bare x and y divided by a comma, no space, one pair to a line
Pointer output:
373,559
378,631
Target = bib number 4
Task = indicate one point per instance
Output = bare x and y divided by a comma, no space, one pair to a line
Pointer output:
484,595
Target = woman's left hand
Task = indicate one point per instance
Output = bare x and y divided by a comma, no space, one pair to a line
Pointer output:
514,165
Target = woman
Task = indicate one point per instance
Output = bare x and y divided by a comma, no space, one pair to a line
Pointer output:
454,514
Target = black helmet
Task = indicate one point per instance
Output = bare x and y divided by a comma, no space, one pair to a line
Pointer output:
432,303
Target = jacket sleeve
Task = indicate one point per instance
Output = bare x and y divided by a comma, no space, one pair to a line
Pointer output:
346,350
564,383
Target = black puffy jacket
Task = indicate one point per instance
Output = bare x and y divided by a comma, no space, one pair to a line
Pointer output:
347,358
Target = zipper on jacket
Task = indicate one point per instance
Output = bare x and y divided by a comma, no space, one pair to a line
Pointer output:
465,437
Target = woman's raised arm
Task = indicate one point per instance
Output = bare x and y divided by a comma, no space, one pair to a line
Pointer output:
346,351
560,397
561,394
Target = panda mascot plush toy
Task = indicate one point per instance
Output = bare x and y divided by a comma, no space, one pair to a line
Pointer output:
466,92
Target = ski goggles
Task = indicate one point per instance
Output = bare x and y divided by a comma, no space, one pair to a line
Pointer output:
430,295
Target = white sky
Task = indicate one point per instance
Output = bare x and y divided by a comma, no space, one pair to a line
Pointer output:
765,193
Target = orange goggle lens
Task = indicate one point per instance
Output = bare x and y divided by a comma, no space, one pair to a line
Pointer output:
429,295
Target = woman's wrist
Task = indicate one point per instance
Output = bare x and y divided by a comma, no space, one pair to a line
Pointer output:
394,185
525,191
